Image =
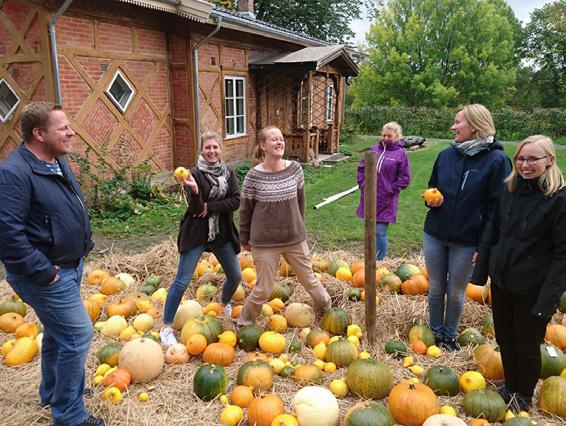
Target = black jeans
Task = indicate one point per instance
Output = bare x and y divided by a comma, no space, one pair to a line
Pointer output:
519,335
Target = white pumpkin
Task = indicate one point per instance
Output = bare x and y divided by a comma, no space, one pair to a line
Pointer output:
114,326
143,358
39,341
316,406
126,278
444,420
299,315
187,310
176,354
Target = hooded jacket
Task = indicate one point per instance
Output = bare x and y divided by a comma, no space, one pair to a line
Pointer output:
43,217
393,175
523,249
471,186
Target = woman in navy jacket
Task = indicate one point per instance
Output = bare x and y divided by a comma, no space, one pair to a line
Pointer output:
470,175
523,250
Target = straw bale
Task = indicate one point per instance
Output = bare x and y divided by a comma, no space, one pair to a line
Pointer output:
171,401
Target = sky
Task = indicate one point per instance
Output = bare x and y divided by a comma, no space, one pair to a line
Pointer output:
522,9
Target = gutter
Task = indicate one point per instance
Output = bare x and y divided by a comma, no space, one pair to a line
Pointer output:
196,81
53,43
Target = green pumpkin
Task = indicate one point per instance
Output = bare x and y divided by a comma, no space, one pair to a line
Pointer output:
406,271
205,292
487,325
391,282
421,332
553,396
281,290
442,380
485,404
287,372
369,413
341,352
563,303
295,346
396,348
248,337
369,378
109,354
210,326
13,305
354,294
471,337
520,421
152,337
209,381
153,280
336,321
551,366
147,289
335,265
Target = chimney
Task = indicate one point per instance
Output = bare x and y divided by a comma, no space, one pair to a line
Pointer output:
246,8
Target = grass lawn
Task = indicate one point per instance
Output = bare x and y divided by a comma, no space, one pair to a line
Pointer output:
334,226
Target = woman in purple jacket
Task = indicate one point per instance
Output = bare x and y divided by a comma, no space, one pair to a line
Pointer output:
393,175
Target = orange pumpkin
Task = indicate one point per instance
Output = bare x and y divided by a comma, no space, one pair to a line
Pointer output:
10,321
112,285
419,347
359,278
246,261
477,293
417,284
432,195
28,329
556,334
196,344
236,311
356,266
119,378
213,308
262,410
285,269
479,422
241,396
489,360
125,308
93,309
97,276
420,398
257,355
219,353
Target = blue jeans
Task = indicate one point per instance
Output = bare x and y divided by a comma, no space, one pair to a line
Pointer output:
67,333
227,257
381,240
449,269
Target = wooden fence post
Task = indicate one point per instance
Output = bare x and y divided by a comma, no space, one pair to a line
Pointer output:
370,185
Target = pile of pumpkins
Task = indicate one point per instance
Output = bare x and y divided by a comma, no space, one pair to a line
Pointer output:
26,342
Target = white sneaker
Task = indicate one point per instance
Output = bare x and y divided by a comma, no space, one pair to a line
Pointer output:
167,336
227,311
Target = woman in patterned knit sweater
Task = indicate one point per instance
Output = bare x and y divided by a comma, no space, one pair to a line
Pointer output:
272,212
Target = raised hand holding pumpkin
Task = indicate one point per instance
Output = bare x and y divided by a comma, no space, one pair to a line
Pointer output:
433,197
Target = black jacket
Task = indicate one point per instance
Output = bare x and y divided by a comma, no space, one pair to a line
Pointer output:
523,249
193,231
471,186
43,217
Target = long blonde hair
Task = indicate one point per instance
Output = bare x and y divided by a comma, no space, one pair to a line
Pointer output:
258,155
551,180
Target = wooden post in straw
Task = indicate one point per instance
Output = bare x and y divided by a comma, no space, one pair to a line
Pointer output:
370,186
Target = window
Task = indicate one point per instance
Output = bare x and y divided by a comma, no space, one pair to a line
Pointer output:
330,102
235,111
9,101
120,91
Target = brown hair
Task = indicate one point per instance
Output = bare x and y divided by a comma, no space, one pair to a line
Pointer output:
258,154
36,115
210,135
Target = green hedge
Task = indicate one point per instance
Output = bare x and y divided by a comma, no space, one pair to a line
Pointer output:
436,123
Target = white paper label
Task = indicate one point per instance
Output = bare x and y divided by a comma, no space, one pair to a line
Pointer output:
551,351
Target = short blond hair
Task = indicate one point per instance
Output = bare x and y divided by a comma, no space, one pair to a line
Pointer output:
552,179
36,115
210,135
480,119
396,127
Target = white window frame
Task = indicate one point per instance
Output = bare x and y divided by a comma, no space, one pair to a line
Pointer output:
233,99
116,102
5,117
330,102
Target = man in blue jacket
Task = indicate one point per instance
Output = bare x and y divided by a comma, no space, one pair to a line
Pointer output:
44,236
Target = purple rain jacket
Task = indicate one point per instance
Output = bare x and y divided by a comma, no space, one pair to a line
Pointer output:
393,175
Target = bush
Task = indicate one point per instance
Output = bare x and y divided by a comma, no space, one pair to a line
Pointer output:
436,123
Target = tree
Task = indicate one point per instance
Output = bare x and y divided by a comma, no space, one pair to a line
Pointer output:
440,53
546,50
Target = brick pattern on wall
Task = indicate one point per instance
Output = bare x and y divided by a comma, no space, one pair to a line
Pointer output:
100,124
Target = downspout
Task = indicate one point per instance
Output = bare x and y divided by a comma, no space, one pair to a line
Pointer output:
195,80
53,42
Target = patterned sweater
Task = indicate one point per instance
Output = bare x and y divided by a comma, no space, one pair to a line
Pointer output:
272,207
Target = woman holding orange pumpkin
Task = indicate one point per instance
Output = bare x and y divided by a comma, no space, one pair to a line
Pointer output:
469,175
213,195
523,250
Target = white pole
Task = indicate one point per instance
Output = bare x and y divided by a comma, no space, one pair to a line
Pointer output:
335,197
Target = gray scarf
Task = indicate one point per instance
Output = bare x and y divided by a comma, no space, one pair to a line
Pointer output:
472,147
218,175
